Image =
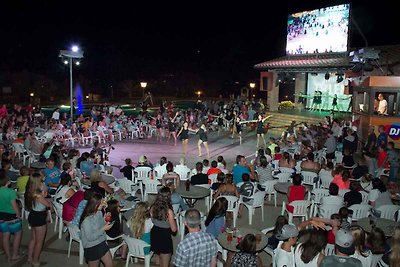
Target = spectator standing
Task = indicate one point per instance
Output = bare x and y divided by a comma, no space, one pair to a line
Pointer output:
198,248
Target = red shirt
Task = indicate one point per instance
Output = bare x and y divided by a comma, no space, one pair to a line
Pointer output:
337,179
278,156
297,192
331,237
213,170
381,158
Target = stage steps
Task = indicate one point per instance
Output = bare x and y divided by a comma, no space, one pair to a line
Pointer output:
283,120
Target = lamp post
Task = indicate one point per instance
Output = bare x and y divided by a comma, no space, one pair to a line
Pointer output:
70,57
252,86
143,85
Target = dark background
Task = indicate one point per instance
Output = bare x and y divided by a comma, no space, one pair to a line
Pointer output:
176,46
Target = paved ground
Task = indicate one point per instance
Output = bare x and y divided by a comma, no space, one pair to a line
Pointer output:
55,250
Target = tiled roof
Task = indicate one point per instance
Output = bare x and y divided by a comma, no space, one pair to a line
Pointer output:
314,62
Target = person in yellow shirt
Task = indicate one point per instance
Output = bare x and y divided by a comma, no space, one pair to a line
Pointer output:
22,180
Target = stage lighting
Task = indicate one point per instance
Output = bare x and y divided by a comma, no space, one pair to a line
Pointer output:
327,75
339,78
368,66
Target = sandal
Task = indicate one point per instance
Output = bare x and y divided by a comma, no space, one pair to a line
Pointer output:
17,258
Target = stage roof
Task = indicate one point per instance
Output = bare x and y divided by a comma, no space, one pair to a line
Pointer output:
389,56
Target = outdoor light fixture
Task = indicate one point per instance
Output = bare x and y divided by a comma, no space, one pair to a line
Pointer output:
143,85
32,94
339,78
252,85
78,63
70,57
327,75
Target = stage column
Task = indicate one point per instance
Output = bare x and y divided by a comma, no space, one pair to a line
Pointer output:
273,95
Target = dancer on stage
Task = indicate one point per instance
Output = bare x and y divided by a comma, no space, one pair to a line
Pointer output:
203,139
237,129
301,100
260,128
317,99
183,135
159,123
172,128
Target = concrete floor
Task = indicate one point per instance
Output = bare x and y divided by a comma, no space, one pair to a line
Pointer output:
55,250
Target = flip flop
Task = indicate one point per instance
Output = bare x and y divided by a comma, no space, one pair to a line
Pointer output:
17,258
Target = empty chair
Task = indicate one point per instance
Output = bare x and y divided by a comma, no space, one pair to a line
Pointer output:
136,250
59,221
300,209
388,211
159,171
270,190
184,173
359,211
75,236
256,201
21,152
213,177
233,206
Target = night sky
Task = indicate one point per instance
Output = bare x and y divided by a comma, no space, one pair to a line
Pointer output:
126,40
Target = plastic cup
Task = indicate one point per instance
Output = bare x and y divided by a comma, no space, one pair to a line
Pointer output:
258,238
229,237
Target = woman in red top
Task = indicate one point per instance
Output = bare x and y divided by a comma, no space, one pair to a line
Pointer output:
295,192
341,178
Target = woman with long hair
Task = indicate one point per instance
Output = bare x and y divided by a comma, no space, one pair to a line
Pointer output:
227,189
203,139
37,205
163,218
98,185
247,254
279,223
311,252
360,253
140,224
172,128
377,241
183,135
93,233
215,222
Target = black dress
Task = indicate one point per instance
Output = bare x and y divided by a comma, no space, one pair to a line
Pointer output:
334,102
184,135
160,238
202,135
260,127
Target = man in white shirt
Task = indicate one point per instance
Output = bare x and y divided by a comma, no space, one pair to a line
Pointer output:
332,203
284,253
382,107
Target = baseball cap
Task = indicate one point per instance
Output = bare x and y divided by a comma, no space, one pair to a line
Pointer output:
287,231
142,159
344,241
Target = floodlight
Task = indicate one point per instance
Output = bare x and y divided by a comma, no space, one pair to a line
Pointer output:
75,48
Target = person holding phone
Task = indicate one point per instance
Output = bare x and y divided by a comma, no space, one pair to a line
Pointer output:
93,233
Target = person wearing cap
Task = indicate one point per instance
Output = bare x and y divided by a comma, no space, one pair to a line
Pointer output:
284,253
143,162
344,248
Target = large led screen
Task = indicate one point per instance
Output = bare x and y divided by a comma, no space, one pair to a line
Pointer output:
318,31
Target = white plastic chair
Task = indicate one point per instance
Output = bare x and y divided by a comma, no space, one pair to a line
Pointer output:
136,250
74,236
159,171
359,211
300,209
140,174
128,186
364,196
58,221
233,206
329,249
325,180
184,173
283,177
21,152
256,201
315,199
308,178
150,187
388,211
286,170
213,177
270,190
375,259
113,250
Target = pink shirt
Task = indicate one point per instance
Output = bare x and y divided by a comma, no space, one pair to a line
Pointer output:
337,179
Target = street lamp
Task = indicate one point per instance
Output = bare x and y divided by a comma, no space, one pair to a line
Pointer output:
252,86
143,85
70,57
